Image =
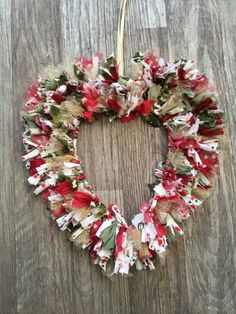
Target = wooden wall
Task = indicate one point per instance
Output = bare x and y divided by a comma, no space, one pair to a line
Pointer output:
41,272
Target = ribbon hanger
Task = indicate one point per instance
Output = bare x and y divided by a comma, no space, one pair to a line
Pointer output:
120,37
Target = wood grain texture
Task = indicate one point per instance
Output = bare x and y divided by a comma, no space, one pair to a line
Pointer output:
41,272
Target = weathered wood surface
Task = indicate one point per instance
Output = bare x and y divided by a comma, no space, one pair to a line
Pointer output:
41,272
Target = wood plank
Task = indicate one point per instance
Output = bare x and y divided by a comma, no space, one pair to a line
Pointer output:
43,267
7,230
206,249
91,290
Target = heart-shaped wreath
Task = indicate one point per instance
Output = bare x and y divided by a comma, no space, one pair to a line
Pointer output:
174,95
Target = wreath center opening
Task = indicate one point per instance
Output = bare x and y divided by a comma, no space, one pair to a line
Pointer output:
119,159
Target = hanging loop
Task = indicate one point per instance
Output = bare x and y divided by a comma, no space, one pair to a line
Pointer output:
120,37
